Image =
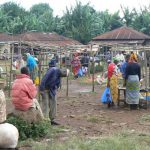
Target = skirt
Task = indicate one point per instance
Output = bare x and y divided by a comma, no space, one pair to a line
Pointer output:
114,88
132,89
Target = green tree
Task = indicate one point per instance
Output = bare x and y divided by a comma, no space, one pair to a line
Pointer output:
128,16
12,17
78,21
42,17
141,20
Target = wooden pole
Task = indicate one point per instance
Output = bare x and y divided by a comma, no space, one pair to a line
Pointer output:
149,71
40,58
93,73
145,58
66,64
60,57
12,52
6,69
67,90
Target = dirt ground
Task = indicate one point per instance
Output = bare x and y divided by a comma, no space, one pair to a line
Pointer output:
83,114
87,116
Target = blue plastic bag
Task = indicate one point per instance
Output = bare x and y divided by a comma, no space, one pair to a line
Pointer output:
147,98
80,72
106,96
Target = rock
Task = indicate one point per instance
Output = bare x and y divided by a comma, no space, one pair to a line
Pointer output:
122,124
115,124
72,116
8,136
132,130
31,115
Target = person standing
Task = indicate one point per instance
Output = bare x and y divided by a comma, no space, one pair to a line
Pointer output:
113,80
120,57
132,76
76,64
32,66
85,63
108,55
123,67
48,87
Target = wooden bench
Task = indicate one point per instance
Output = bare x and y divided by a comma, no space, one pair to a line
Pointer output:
123,89
141,101
144,101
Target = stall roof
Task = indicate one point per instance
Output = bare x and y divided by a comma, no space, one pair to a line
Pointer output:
5,38
49,39
122,33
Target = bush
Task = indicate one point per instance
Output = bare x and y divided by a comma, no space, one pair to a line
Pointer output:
27,130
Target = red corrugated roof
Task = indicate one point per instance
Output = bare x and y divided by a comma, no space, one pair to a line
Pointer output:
5,37
122,33
46,38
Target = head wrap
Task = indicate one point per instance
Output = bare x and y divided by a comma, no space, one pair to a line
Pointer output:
75,54
28,54
108,61
133,57
115,59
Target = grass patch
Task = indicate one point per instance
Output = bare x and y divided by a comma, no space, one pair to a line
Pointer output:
116,142
93,119
144,120
98,119
86,81
55,130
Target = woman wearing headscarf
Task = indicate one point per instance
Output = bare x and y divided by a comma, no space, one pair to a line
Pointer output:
32,66
133,56
132,76
76,64
113,80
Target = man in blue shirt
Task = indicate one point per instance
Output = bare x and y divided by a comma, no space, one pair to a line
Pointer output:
124,65
49,84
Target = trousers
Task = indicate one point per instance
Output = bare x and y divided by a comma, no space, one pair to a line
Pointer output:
49,105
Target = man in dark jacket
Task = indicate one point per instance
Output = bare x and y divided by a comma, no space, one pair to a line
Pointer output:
85,63
48,87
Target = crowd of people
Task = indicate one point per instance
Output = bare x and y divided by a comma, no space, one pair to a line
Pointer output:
130,69
24,90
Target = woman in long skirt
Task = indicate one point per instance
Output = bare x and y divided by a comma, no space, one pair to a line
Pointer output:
133,76
113,80
76,64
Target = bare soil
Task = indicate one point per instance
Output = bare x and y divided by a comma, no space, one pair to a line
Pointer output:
82,113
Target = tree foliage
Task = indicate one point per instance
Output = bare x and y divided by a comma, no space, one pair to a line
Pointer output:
81,22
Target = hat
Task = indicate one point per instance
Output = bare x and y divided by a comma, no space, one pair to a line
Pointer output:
27,54
52,63
115,59
108,61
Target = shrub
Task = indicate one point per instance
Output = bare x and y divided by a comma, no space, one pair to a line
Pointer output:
27,130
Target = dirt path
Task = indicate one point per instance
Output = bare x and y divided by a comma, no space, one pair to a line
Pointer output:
84,115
